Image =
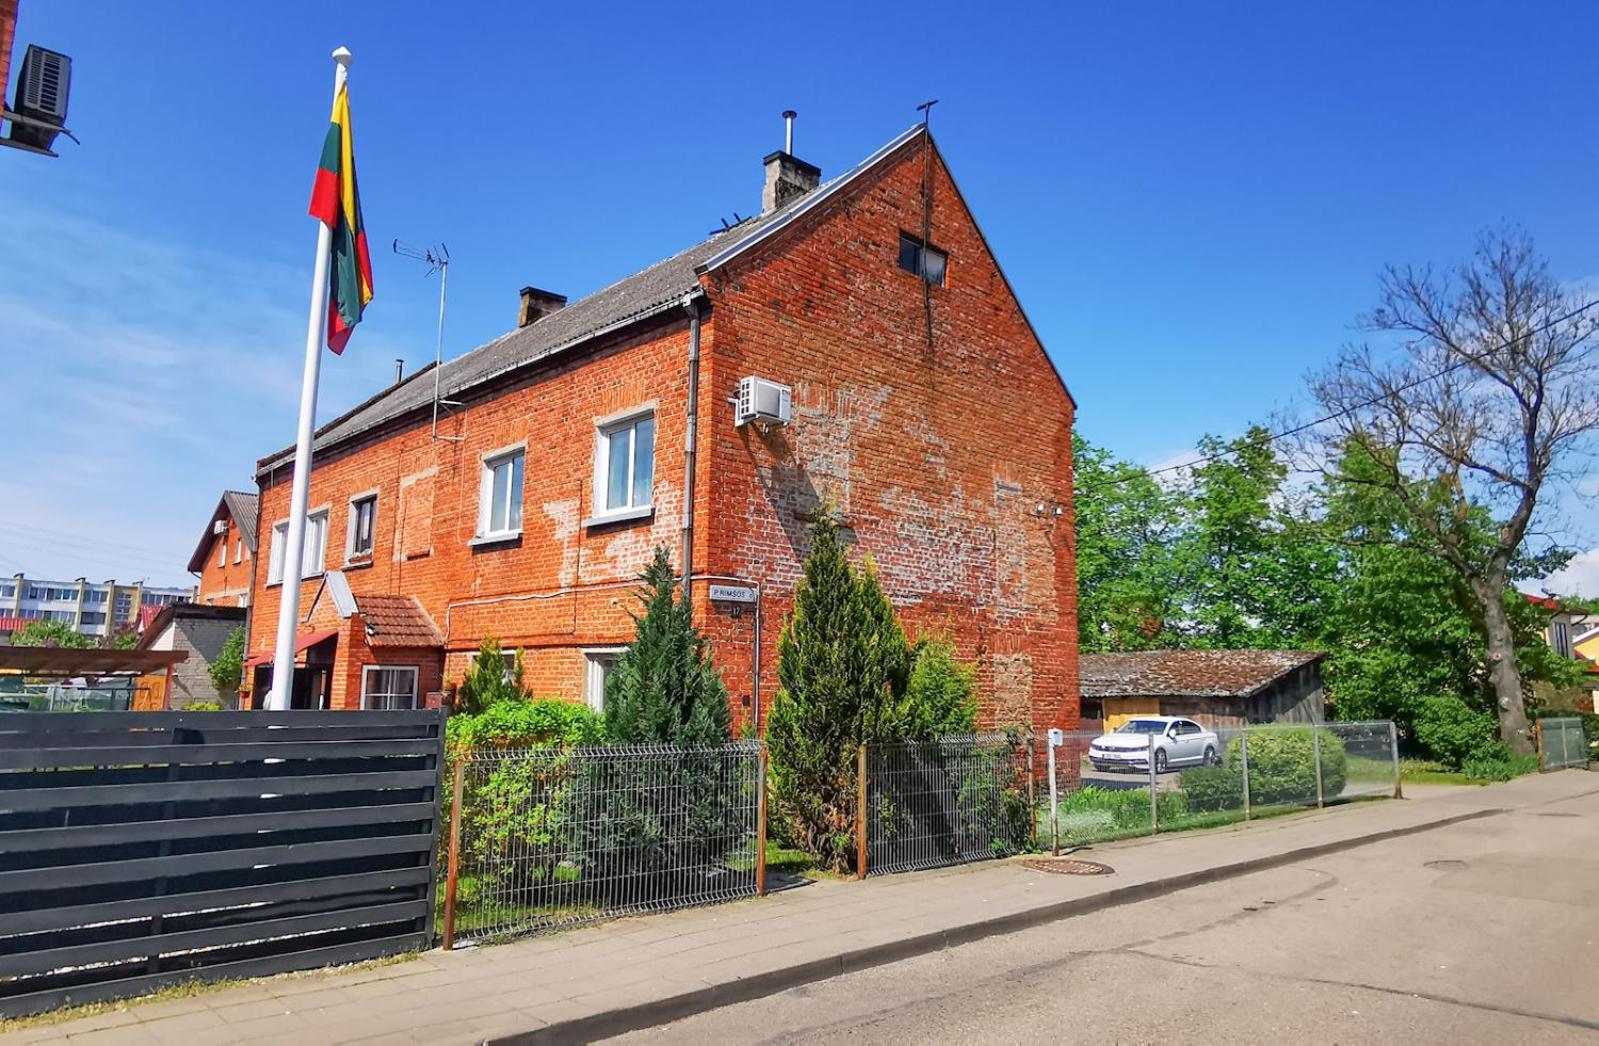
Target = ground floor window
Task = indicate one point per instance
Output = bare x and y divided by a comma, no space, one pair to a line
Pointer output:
598,663
388,687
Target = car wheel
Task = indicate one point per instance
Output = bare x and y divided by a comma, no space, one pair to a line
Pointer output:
1160,760
1210,757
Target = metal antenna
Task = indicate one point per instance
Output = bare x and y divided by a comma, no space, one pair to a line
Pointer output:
438,259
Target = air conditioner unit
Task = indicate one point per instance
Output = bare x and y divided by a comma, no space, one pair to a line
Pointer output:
219,527
42,91
766,401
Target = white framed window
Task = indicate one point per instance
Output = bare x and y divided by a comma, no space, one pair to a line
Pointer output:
598,664
385,687
926,261
316,547
499,512
624,465
238,551
508,659
363,525
222,550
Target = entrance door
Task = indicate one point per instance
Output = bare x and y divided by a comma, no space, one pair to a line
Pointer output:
313,686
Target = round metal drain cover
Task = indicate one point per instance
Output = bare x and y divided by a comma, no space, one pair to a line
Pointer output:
1445,866
1067,866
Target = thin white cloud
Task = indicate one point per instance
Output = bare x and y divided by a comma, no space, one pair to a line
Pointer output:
1579,578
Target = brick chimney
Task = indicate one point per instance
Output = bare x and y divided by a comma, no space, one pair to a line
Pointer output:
537,304
787,176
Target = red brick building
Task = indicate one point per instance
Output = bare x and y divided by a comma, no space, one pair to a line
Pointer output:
920,405
224,559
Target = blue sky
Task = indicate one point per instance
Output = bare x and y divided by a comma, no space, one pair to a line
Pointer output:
1191,200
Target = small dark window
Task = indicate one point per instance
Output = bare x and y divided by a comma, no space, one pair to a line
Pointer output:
364,511
913,256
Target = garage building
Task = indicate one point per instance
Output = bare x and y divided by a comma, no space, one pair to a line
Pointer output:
1217,688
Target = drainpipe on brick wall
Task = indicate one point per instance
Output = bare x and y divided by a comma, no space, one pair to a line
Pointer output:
691,305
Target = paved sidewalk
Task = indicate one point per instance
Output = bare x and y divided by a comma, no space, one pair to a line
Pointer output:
606,978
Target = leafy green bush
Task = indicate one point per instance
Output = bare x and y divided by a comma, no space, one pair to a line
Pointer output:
1495,761
227,669
203,706
940,694
1211,788
524,724
1450,730
1092,812
1282,764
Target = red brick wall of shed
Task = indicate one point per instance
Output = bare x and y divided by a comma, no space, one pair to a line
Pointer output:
938,457
562,586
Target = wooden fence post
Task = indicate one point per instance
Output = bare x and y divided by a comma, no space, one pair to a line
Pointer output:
760,830
1537,742
860,813
455,850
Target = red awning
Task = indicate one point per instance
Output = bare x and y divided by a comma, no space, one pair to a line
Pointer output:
302,642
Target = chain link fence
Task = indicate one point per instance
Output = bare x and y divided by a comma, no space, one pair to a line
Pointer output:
1142,778
944,802
1561,743
549,838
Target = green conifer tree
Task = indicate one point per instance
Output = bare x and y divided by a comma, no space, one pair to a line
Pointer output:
664,689
842,662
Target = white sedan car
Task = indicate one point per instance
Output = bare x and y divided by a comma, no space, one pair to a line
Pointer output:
1178,742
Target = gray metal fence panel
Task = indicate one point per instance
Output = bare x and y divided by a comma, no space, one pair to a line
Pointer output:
945,802
552,838
141,849
1562,743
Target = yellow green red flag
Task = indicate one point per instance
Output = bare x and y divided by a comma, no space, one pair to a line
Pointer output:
336,203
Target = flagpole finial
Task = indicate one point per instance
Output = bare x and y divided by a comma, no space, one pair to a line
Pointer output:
343,57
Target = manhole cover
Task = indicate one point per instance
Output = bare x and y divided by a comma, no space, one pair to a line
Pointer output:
1446,866
1067,866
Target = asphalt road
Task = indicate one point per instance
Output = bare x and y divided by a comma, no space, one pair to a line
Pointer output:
1486,932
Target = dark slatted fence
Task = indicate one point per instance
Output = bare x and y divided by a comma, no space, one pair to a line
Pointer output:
139,849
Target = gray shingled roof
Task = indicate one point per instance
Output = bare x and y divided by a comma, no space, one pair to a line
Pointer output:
245,507
1188,673
654,290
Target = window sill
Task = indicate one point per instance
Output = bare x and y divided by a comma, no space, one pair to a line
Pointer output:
485,540
360,563
627,515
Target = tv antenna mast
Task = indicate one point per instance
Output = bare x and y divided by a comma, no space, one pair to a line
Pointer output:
438,259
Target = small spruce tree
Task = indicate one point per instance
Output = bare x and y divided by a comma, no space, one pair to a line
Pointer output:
664,689
842,662
939,695
492,679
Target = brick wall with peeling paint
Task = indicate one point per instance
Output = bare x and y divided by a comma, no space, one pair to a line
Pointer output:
948,457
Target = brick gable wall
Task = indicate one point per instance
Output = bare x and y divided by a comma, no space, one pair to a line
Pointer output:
950,462
227,584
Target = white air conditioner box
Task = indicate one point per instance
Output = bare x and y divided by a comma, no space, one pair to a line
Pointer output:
762,400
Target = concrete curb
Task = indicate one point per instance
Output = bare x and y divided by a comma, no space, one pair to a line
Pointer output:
713,996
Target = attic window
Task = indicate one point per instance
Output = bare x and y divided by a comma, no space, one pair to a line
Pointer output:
914,255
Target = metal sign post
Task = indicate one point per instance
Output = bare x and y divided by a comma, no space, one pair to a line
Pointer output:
1154,790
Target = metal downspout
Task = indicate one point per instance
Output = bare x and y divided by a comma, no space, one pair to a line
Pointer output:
691,431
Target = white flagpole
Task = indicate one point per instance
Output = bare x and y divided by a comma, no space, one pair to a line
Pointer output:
294,545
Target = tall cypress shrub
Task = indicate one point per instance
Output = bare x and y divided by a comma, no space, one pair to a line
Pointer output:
664,689
842,661
646,824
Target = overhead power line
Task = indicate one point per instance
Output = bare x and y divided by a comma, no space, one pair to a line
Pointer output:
1467,358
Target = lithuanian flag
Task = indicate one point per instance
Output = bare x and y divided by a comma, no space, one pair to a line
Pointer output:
336,203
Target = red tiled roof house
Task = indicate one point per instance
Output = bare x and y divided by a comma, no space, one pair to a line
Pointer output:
923,411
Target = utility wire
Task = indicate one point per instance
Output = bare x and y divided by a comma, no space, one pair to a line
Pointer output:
1373,401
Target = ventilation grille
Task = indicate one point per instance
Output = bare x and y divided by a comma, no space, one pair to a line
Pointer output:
44,84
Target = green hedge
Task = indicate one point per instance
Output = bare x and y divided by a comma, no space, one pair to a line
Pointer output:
1211,788
1282,764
